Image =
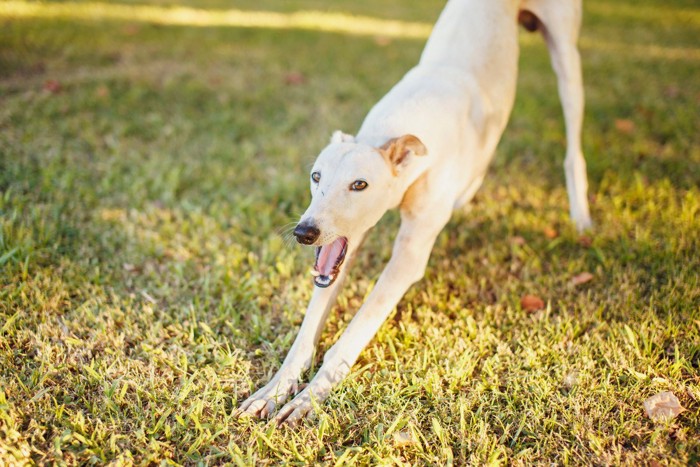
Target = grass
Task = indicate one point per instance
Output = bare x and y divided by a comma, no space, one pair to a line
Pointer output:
147,172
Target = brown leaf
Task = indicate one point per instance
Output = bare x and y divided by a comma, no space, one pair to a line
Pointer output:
550,233
53,86
582,278
102,91
294,78
585,240
663,406
624,125
531,303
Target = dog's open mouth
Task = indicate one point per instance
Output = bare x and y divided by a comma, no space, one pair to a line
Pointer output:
329,258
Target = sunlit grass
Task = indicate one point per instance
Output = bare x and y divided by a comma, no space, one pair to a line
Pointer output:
147,171
185,16
333,22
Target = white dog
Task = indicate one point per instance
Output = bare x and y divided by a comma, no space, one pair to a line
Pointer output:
424,148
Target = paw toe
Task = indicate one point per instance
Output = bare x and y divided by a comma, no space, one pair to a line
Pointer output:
268,409
584,224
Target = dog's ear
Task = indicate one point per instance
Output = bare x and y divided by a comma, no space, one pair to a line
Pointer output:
340,137
397,151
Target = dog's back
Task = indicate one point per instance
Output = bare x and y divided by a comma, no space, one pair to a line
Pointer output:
480,38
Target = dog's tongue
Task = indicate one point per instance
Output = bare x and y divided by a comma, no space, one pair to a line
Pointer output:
329,255
328,260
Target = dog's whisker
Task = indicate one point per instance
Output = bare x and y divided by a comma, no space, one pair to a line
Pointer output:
288,241
289,227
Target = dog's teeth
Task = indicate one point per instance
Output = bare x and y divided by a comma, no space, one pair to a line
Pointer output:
315,273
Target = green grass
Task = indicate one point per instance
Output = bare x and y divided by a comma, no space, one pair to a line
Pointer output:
146,289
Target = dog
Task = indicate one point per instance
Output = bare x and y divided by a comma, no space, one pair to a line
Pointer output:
424,148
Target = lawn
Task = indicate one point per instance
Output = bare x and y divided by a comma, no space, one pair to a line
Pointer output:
150,165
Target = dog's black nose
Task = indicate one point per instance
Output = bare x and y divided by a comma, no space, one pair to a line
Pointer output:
306,233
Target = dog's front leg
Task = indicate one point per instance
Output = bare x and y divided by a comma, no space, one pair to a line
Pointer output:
407,266
285,382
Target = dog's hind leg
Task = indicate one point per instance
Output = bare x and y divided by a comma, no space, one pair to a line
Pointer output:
559,22
285,382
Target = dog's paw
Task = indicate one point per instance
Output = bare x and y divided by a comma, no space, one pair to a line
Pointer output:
301,406
580,215
264,401
583,223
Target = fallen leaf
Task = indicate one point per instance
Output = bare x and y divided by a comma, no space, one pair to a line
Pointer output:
585,240
53,86
102,91
624,125
582,278
294,78
663,406
403,438
531,303
550,233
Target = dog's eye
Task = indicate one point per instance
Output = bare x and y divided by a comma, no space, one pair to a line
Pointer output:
316,177
358,185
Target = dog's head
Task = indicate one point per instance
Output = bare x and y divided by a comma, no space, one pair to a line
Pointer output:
352,186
